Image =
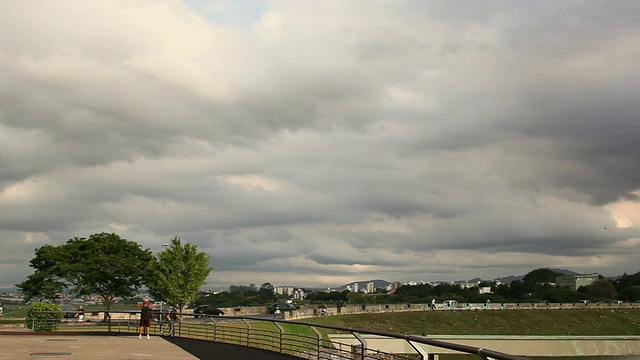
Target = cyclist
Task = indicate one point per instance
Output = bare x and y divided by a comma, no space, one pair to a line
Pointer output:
172,316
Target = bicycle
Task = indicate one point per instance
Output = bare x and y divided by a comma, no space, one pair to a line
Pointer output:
168,327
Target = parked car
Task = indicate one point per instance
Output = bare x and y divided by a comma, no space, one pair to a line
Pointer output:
584,301
202,310
616,302
280,306
450,303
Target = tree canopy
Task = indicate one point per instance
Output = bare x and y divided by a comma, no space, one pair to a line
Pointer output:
540,276
178,273
104,264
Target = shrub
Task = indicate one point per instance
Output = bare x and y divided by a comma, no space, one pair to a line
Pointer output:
43,317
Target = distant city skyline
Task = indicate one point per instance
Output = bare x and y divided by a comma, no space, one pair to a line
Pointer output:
415,282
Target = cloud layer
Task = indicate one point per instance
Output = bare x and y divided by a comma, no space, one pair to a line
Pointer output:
317,144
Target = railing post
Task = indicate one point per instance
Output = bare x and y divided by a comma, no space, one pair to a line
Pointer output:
363,346
319,335
418,350
281,338
248,330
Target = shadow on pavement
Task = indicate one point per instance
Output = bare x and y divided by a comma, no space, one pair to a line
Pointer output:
208,350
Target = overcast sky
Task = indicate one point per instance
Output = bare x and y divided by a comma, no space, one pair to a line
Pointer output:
317,143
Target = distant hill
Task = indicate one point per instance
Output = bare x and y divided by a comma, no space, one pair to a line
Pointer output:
565,271
510,278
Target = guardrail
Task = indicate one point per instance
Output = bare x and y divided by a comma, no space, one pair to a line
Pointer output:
297,338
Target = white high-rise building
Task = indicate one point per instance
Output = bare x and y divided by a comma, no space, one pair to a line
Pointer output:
371,287
283,290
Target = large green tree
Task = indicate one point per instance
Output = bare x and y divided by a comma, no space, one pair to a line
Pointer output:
601,289
539,277
178,273
265,294
628,287
103,264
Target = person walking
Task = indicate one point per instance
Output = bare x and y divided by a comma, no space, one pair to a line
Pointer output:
145,319
80,316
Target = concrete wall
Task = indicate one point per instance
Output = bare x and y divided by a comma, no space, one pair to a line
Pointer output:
313,311
309,311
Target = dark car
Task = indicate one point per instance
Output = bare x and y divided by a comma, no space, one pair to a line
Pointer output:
203,310
282,307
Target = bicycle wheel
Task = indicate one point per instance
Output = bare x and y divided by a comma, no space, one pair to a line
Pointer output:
165,328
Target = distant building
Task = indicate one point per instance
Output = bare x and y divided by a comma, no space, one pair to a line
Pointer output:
394,285
283,290
299,294
573,282
356,288
371,287
467,285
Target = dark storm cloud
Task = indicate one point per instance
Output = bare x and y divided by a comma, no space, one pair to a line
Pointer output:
326,144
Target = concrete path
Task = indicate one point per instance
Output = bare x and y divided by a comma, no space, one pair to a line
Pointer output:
89,347
29,345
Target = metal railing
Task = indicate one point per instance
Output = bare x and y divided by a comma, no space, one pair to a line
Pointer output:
301,339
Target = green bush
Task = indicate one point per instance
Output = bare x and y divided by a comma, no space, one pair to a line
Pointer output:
43,317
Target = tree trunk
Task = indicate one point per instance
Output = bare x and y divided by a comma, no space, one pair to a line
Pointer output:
106,301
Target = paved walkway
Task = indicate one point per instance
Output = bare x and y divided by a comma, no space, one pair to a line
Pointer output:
111,347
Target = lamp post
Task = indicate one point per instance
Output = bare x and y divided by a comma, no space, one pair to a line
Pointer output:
164,247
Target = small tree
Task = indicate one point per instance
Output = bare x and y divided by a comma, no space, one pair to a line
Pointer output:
178,273
43,317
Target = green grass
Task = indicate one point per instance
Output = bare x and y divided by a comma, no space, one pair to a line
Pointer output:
14,311
499,322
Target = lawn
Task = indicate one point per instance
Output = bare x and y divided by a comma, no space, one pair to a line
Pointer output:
497,322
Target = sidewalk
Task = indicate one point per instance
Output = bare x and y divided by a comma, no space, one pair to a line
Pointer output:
30,346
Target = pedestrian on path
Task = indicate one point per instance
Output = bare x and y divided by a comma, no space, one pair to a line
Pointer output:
145,319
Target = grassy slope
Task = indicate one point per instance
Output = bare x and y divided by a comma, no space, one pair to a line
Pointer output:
501,322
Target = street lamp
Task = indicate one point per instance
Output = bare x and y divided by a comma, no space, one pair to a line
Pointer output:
164,247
